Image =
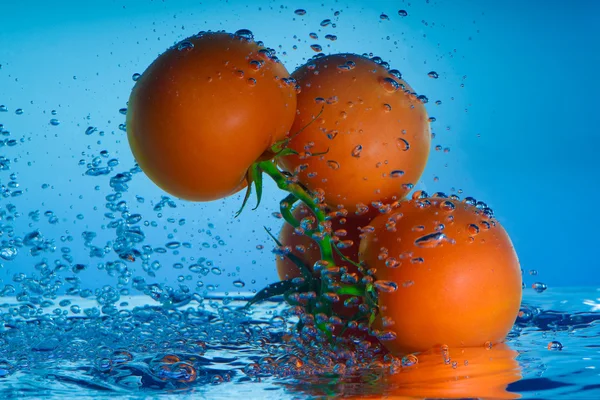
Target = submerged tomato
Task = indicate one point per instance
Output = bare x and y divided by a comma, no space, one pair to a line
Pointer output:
205,110
449,273
373,130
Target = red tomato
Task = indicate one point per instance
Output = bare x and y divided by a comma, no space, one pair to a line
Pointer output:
456,274
205,110
373,128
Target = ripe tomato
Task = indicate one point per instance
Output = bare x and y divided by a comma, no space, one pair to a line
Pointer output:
373,127
205,110
457,275
346,230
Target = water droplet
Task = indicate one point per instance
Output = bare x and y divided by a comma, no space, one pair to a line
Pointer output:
54,122
386,286
387,108
300,12
384,17
313,35
409,360
402,144
333,164
555,346
396,173
8,252
539,287
333,38
316,47
135,77
433,75
389,85
326,22
473,229
239,283
245,34
3,108
251,81
19,111
255,64
90,130
356,151
402,13
432,240
185,45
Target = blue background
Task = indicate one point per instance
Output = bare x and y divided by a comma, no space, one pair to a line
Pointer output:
518,82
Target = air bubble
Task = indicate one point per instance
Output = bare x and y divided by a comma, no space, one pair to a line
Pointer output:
433,75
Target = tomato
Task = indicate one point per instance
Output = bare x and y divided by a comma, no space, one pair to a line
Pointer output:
345,230
373,130
205,110
449,274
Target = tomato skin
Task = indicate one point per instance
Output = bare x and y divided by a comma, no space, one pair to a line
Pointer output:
359,108
200,116
460,295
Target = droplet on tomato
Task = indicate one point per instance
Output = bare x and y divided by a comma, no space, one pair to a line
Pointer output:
333,164
245,34
447,206
389,85
255,64
386,335
356,151
185,45
473,229
387,107
386,286
396,173
409,360
419,194
402,144
251,81
432,240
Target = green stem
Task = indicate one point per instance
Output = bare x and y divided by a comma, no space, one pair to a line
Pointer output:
283,183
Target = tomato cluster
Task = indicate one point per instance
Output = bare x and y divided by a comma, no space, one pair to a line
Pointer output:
215,111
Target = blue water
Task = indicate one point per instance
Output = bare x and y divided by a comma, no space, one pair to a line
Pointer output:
110,287
223,352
